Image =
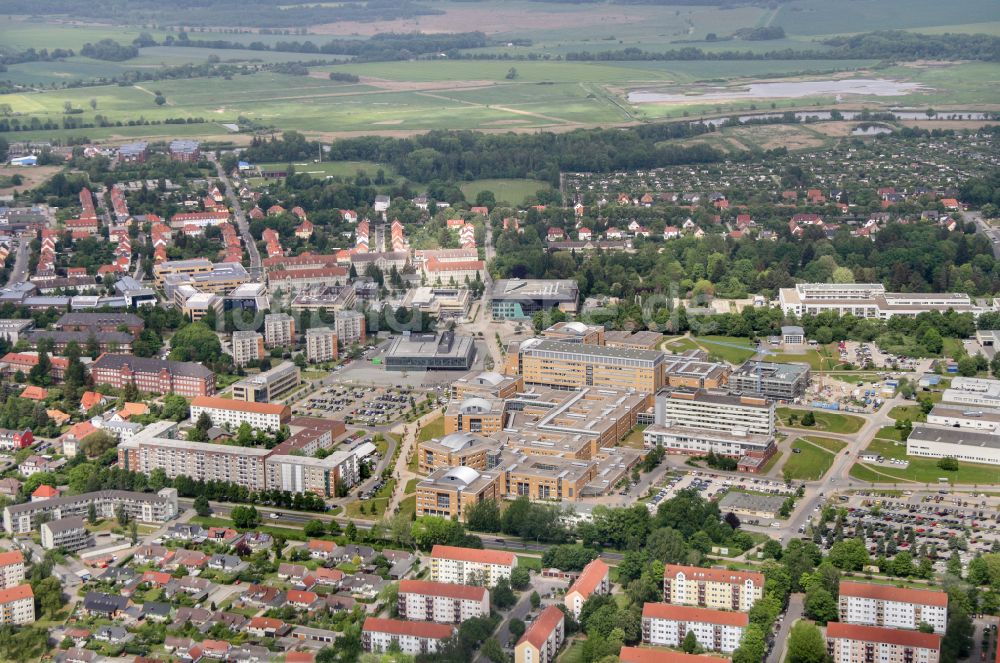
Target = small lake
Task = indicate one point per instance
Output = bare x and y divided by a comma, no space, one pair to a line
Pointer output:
876,87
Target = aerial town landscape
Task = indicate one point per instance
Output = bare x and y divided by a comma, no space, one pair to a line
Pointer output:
405,331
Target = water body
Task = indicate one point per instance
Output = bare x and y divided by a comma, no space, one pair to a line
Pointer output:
805,116
870,131
877,87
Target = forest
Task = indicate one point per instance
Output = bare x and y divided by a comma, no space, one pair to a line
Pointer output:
883,45
469,155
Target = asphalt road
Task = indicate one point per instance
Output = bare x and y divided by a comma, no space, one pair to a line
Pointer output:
19,272
241,220
991,233
792,614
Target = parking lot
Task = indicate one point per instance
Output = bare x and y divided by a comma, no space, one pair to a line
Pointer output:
712,486
368,406
941,521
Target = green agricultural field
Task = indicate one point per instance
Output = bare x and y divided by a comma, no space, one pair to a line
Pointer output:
920,470
829,422
819,17
511,191
814,458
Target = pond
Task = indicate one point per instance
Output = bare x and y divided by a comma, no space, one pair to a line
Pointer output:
878,87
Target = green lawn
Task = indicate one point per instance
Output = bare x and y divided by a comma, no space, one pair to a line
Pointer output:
634,438
722,347
288,533
824,358
573,653
911,412
829,422
890,433
771,462
680,345
511,191
827,443
528,562
919,470
380,502
811,463
431,430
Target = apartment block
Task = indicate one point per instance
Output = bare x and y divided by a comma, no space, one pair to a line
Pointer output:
892,607
279,330
17,605
321,344
541,642
69,534
223,411
11,569
574,365
449,492
143,507
349,326
457,565
413,638
269,385
719,589
853,643
594,579
153,448
248,346
307,474
156,376
445,603
664,624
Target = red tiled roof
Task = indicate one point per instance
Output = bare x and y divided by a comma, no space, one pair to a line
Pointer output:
266,623
415,629
590,578
11,557
473,555
34,393
686,613
45,491
640,655
449,590
713,575
890,636
298,596
890,593
542,627
16,593
324,546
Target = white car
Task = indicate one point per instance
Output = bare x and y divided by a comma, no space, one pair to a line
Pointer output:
273,516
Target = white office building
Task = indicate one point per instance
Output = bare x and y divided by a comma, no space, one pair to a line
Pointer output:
321,344
870,300
971,446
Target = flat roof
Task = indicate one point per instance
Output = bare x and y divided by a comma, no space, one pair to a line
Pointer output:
771,370
554,289
735,499
602,351
950,435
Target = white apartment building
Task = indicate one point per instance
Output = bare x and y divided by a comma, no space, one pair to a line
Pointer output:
541,642
321,344
441,602
279,330
716,630
892,607
17,605
594,579
349,326
852,643
248,346
11,569
870,300
457,565
227,411
154,448
719,589
302,474
378,635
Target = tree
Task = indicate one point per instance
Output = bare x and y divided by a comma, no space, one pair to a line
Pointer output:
849,555
511,74
502,595
752,647
536,600
97,443
957,640
159,99
520,578
91,513
245,517
195,342
314,528
48,595
201,506
492,650
483,516
516,628
175,407
806,644
820,604
690,643
948,464
809,419
667,545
